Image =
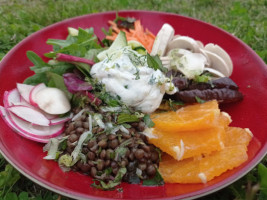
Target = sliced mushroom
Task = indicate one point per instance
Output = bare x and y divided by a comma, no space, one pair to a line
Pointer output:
184,42
214,72
164,36
222,53
217,63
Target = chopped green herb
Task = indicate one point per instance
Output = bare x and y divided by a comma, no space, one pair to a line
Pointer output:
124,117
149,123
155,63
156,180
199,100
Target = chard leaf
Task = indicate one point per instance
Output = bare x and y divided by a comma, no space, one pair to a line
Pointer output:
156,180
155,63
149,123
124,117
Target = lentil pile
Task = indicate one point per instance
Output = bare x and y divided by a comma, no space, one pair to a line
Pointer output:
107,151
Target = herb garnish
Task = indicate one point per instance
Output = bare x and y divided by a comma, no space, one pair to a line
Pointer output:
156,180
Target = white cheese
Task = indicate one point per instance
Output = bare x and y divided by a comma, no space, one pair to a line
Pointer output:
126,74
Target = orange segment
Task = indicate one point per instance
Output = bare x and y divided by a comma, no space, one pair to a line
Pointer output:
237,135
202,170
186,144
183,145
189,118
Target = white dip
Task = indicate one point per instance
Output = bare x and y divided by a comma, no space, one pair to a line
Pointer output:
126,74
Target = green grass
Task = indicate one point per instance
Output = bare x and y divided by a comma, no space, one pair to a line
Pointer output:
245,19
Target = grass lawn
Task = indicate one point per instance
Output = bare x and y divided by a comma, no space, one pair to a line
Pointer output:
245,19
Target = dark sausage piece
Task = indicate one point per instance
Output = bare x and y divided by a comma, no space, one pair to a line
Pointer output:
223,95
217,83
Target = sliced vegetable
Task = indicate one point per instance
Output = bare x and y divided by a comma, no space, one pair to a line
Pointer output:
53,101
144,36
75,84
33,92
29,114
118,43
72,59
25,91
33,132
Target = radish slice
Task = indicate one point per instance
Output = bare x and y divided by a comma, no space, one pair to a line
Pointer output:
30,115
52,101
12,97
60,120
35,130
24,91
33,93
3,114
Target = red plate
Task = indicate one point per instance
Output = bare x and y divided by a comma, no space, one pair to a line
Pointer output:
250,73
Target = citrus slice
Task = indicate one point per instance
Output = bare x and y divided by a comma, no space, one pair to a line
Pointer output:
189,118
204,168
186,144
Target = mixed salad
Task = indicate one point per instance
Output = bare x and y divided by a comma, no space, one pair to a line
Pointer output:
91,102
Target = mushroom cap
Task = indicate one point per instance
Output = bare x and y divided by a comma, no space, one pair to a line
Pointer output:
184,42
217,63
216,49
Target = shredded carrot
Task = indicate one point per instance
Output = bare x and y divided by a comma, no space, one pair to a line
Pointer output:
145,37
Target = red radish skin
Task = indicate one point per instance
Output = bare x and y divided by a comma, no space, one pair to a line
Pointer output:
9,123
13,98
57,121
68,58
35,130
29,114
34,91
24,91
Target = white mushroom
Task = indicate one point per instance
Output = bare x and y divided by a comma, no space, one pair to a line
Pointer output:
214,72
222,53
164,36
184,42
217,63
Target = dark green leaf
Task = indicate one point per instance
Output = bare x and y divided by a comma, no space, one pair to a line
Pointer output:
156,180
155,63
9,176
262,170
35,59
149,123
124,117
11,196
23,196
61,43
36,79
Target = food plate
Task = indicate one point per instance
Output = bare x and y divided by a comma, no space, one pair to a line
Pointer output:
250,73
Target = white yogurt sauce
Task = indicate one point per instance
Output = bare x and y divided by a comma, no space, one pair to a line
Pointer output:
126,74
